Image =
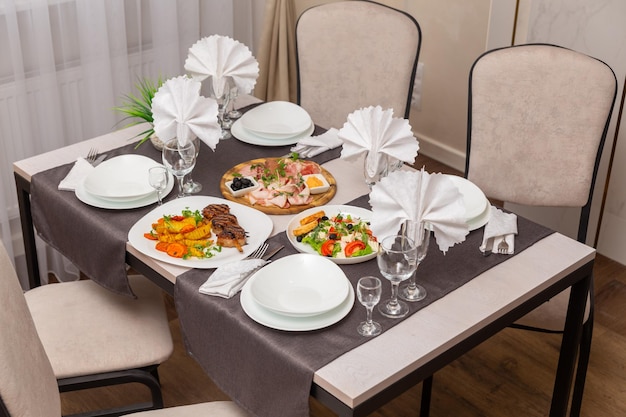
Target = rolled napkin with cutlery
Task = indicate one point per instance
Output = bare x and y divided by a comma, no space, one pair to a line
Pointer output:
179,111
228,279
218,57
76,176
314,145
420,197
502,227
373,131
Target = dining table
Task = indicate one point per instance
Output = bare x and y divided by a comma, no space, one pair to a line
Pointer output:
272,371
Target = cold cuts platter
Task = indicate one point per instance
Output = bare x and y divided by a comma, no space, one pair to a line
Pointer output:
285,185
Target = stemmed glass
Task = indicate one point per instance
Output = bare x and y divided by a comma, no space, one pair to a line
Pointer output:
158,179
397,262
420,233
368,290
375,168
222,98
179,160
191,186
234,113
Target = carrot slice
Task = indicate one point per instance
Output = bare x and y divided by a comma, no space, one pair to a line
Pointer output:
162,246
150,236
176,250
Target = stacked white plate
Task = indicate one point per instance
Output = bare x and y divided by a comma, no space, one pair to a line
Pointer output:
477,206
120,183
277,123
298,293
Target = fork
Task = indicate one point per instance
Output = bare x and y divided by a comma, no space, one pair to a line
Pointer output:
503,247
259,252
92,155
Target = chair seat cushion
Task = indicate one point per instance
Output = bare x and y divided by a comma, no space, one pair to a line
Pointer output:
210,409
87,329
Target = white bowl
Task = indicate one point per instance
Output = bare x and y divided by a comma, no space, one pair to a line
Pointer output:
122,178
238,193
320,188
475,201
277,119
300,285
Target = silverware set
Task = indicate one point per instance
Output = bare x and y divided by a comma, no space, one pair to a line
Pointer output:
93,158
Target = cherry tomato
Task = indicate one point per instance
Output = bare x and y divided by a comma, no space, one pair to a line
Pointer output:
327,248
354,246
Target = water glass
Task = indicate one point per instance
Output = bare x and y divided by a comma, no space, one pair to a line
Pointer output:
179,160
397,262
222,96
375,167
420,233
234,113
191,186
158,179
368,291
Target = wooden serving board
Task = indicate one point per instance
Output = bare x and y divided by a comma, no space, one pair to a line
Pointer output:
318,199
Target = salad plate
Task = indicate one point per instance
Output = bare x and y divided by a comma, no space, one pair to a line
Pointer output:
258,227
288,323
330,211
300,285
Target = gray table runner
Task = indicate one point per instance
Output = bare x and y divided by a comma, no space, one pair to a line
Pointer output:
94,239
270,372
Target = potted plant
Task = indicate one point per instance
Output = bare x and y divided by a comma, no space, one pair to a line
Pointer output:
139,107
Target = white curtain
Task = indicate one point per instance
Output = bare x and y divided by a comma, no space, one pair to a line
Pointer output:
64,64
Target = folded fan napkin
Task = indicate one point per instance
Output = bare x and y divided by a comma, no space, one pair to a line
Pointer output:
374,131
76,176
179,111
219,57
501,226
314,145
420,197
228,279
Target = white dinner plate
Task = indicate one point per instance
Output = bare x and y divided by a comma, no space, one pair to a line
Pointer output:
121,204
281,322
121,178
476,203
330,211
258,227
300,285
246,136
276,119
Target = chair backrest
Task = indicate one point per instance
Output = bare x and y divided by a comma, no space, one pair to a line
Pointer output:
28,387
355,54
538,117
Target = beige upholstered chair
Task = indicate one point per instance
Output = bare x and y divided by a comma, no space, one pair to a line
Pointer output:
28,378
538,118
355,54
86,336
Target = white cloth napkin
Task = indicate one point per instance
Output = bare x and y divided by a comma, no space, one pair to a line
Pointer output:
314,145
179,111
228,279
219,57
375,131
76,176
420,197
501,226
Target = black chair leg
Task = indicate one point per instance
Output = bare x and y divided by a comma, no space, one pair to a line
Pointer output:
581,369
427,389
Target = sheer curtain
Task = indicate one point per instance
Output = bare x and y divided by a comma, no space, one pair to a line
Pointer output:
66,63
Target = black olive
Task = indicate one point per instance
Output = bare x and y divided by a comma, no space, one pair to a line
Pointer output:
324,218
332,236
350,226
299,238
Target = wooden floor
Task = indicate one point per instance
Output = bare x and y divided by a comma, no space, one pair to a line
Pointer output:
509,375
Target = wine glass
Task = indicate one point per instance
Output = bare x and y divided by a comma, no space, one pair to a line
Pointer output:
221,95
179,160
368,290
397,262
375,167
234,113
158,179
191,186
420,233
